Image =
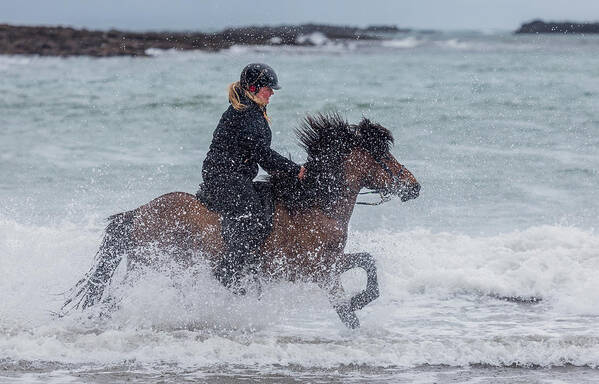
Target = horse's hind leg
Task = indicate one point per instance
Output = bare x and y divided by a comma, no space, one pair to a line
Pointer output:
346,311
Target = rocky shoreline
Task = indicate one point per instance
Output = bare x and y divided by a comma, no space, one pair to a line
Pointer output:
566,27
66,41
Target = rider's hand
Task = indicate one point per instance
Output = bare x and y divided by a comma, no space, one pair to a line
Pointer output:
302,173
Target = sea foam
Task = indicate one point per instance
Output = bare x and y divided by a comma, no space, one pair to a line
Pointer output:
439,304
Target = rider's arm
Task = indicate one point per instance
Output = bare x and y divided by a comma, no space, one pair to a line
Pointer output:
273,162
267,158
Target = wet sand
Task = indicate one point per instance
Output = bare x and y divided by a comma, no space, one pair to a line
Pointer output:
38,372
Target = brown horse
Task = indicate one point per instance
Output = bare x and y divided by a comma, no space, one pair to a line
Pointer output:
309,226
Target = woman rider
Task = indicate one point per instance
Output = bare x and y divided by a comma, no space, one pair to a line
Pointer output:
240,143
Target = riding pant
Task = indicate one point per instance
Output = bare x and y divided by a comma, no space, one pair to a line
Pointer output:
242,218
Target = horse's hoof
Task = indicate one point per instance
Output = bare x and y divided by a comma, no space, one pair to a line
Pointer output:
347,316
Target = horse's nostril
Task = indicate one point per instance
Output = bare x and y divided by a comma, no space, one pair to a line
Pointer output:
416,190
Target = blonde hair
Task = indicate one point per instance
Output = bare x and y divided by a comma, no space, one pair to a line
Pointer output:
234,99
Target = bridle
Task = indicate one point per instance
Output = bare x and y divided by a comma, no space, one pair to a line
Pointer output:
384,193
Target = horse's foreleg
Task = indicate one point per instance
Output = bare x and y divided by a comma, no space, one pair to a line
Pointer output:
336,293
365,261
346,311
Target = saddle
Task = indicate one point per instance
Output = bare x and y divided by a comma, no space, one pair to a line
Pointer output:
264,190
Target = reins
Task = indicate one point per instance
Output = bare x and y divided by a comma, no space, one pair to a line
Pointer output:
384,198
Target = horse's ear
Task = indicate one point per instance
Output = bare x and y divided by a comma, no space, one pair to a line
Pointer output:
365,123
363,132
375,138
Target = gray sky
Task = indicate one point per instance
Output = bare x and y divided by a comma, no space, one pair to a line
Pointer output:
210,15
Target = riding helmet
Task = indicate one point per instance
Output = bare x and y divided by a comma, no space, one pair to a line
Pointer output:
257,75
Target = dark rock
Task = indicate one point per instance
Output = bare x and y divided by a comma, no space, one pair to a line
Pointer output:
66,41
539,26
385,29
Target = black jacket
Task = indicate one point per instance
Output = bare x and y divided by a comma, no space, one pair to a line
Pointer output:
240,143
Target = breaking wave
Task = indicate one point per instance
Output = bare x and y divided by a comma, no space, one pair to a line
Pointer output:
441,304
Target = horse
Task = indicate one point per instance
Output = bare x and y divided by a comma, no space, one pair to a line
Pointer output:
309,224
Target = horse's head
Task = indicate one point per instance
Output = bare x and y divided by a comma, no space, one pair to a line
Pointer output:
342,156
371,165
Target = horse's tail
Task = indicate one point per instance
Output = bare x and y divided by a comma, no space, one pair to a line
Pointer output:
117,241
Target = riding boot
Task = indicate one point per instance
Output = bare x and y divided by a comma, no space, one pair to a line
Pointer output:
232,268
229,269
240,258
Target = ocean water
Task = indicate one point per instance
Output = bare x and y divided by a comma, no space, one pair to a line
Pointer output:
502,132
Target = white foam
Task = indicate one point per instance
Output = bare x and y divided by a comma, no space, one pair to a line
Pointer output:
8,61
161,52
37,263
238,49
408,42
275,40
329,47
315,38
547,261
176,54
454,44
437,305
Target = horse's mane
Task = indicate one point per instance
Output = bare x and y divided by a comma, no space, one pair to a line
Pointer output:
327,140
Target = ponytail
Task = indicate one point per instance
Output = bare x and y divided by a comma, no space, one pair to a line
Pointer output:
234,89
234,98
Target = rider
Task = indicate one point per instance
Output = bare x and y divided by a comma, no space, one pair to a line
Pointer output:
240,143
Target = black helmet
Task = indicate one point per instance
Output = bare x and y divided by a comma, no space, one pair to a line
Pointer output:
259,75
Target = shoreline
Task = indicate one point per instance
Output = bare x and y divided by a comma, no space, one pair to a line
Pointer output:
67,41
